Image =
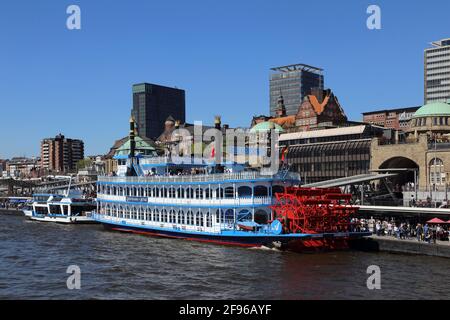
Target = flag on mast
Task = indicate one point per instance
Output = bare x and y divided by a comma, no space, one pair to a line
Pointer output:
284,153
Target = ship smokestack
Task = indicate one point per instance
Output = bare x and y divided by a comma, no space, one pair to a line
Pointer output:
132,136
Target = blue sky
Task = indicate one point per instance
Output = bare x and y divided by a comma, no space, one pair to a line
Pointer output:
79,82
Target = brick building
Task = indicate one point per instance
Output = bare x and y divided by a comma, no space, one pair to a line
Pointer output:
61,154
391,118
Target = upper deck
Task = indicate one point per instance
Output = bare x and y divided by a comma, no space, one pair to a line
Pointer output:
201,178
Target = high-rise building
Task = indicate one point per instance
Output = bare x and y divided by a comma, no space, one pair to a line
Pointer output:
293,82
153,104
61,154
437,72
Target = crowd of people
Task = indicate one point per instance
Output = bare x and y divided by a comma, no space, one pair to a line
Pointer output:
391,227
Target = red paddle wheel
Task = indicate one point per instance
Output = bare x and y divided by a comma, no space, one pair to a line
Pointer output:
314,211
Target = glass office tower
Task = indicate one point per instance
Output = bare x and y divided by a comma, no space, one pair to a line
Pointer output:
293,82
153,104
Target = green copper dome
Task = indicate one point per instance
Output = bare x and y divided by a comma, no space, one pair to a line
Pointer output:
142,147
433,109
266,126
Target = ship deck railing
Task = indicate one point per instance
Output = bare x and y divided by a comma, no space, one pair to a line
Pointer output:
201,178
240,201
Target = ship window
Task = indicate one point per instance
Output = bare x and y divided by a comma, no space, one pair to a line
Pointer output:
229,192
190,218
244,215
55,209
229,216
219,193
164,215
189,193
157,216
208,220
261,217
181,218
180,193
198,193
164,192
172,192
260,191
172,216
207,193
244,191
197,219
219,216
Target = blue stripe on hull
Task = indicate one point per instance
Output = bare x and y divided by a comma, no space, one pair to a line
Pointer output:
232,240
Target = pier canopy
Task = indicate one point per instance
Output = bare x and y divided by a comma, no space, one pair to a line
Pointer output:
341,182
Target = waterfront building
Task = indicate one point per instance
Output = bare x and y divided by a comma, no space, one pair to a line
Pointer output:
437,71
91,168
391,118
2,166
153,104
326,154
61,154
318,110
293,82
185,135
21,167
425,151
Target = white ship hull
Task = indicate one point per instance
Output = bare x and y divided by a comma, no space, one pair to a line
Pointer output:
64,219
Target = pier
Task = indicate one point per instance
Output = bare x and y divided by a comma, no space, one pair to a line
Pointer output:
406,246
418,212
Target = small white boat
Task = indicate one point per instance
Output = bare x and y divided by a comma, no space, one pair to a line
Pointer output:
27,213
61,209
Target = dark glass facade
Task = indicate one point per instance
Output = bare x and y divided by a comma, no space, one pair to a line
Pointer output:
153,104
320,162
318,156
294,83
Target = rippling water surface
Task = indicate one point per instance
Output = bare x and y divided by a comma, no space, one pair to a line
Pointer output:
34,258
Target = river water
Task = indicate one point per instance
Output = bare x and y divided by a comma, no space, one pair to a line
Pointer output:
34,258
